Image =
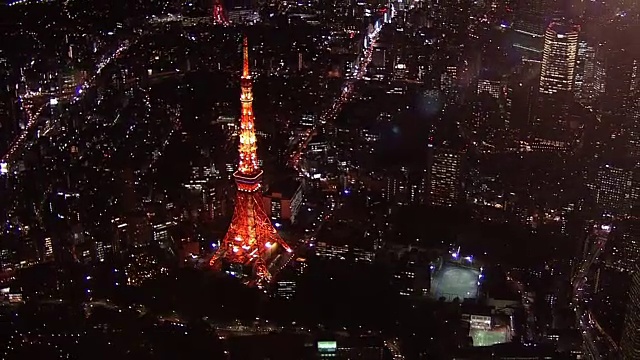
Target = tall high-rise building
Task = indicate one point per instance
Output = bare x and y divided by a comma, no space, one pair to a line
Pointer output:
242,11
630,344
559,58
614,190
449,79
445,177
8,118
585,70
624,247
621,74
495,88
531,18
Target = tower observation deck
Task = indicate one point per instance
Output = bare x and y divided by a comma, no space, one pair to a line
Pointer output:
251,240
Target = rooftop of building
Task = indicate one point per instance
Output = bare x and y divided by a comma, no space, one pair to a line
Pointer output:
286,187
490,75
298,346
562,28
502,293
511,350
318,138
339,233
473,308
270,346
345,341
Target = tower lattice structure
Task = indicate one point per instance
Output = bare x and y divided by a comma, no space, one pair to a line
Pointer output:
219,14
251,238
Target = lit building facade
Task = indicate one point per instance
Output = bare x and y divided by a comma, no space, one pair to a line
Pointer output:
445,178
449,79
559,58
614,189
584,80
624,252
630,344
285,289
329,251
284,203
495,88
161,232
532,16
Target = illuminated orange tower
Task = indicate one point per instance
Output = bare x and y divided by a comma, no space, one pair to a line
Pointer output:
251,239
219,15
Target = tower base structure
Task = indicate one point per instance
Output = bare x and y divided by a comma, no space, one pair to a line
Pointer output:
251,241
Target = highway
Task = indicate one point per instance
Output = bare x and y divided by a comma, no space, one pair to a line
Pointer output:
329,115
600,234
337,105
394,349
40,100
597,342
528,304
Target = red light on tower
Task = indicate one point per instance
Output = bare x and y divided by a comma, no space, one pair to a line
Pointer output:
250,239
219,15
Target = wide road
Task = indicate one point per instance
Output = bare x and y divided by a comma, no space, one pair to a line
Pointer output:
338,104
39,100
594,337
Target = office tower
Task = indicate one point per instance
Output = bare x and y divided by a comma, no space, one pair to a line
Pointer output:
531,18
239,4
600,80
585,74
242,11
614,190
624,250
282,202
8,109
396,184
449,79
559,58
379,57
454,16
445,177
630,344
161,234
495,88
621,74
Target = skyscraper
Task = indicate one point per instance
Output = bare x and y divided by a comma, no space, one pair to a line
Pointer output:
624,249
559,58
621,73
445,177
533,16
614,187
630,344
584,80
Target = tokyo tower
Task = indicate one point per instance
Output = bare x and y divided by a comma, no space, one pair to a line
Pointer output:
251,240
219,15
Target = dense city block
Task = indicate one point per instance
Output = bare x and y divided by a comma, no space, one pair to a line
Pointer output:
344,179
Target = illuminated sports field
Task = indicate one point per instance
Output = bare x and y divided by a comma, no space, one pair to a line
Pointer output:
489,337
453,281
